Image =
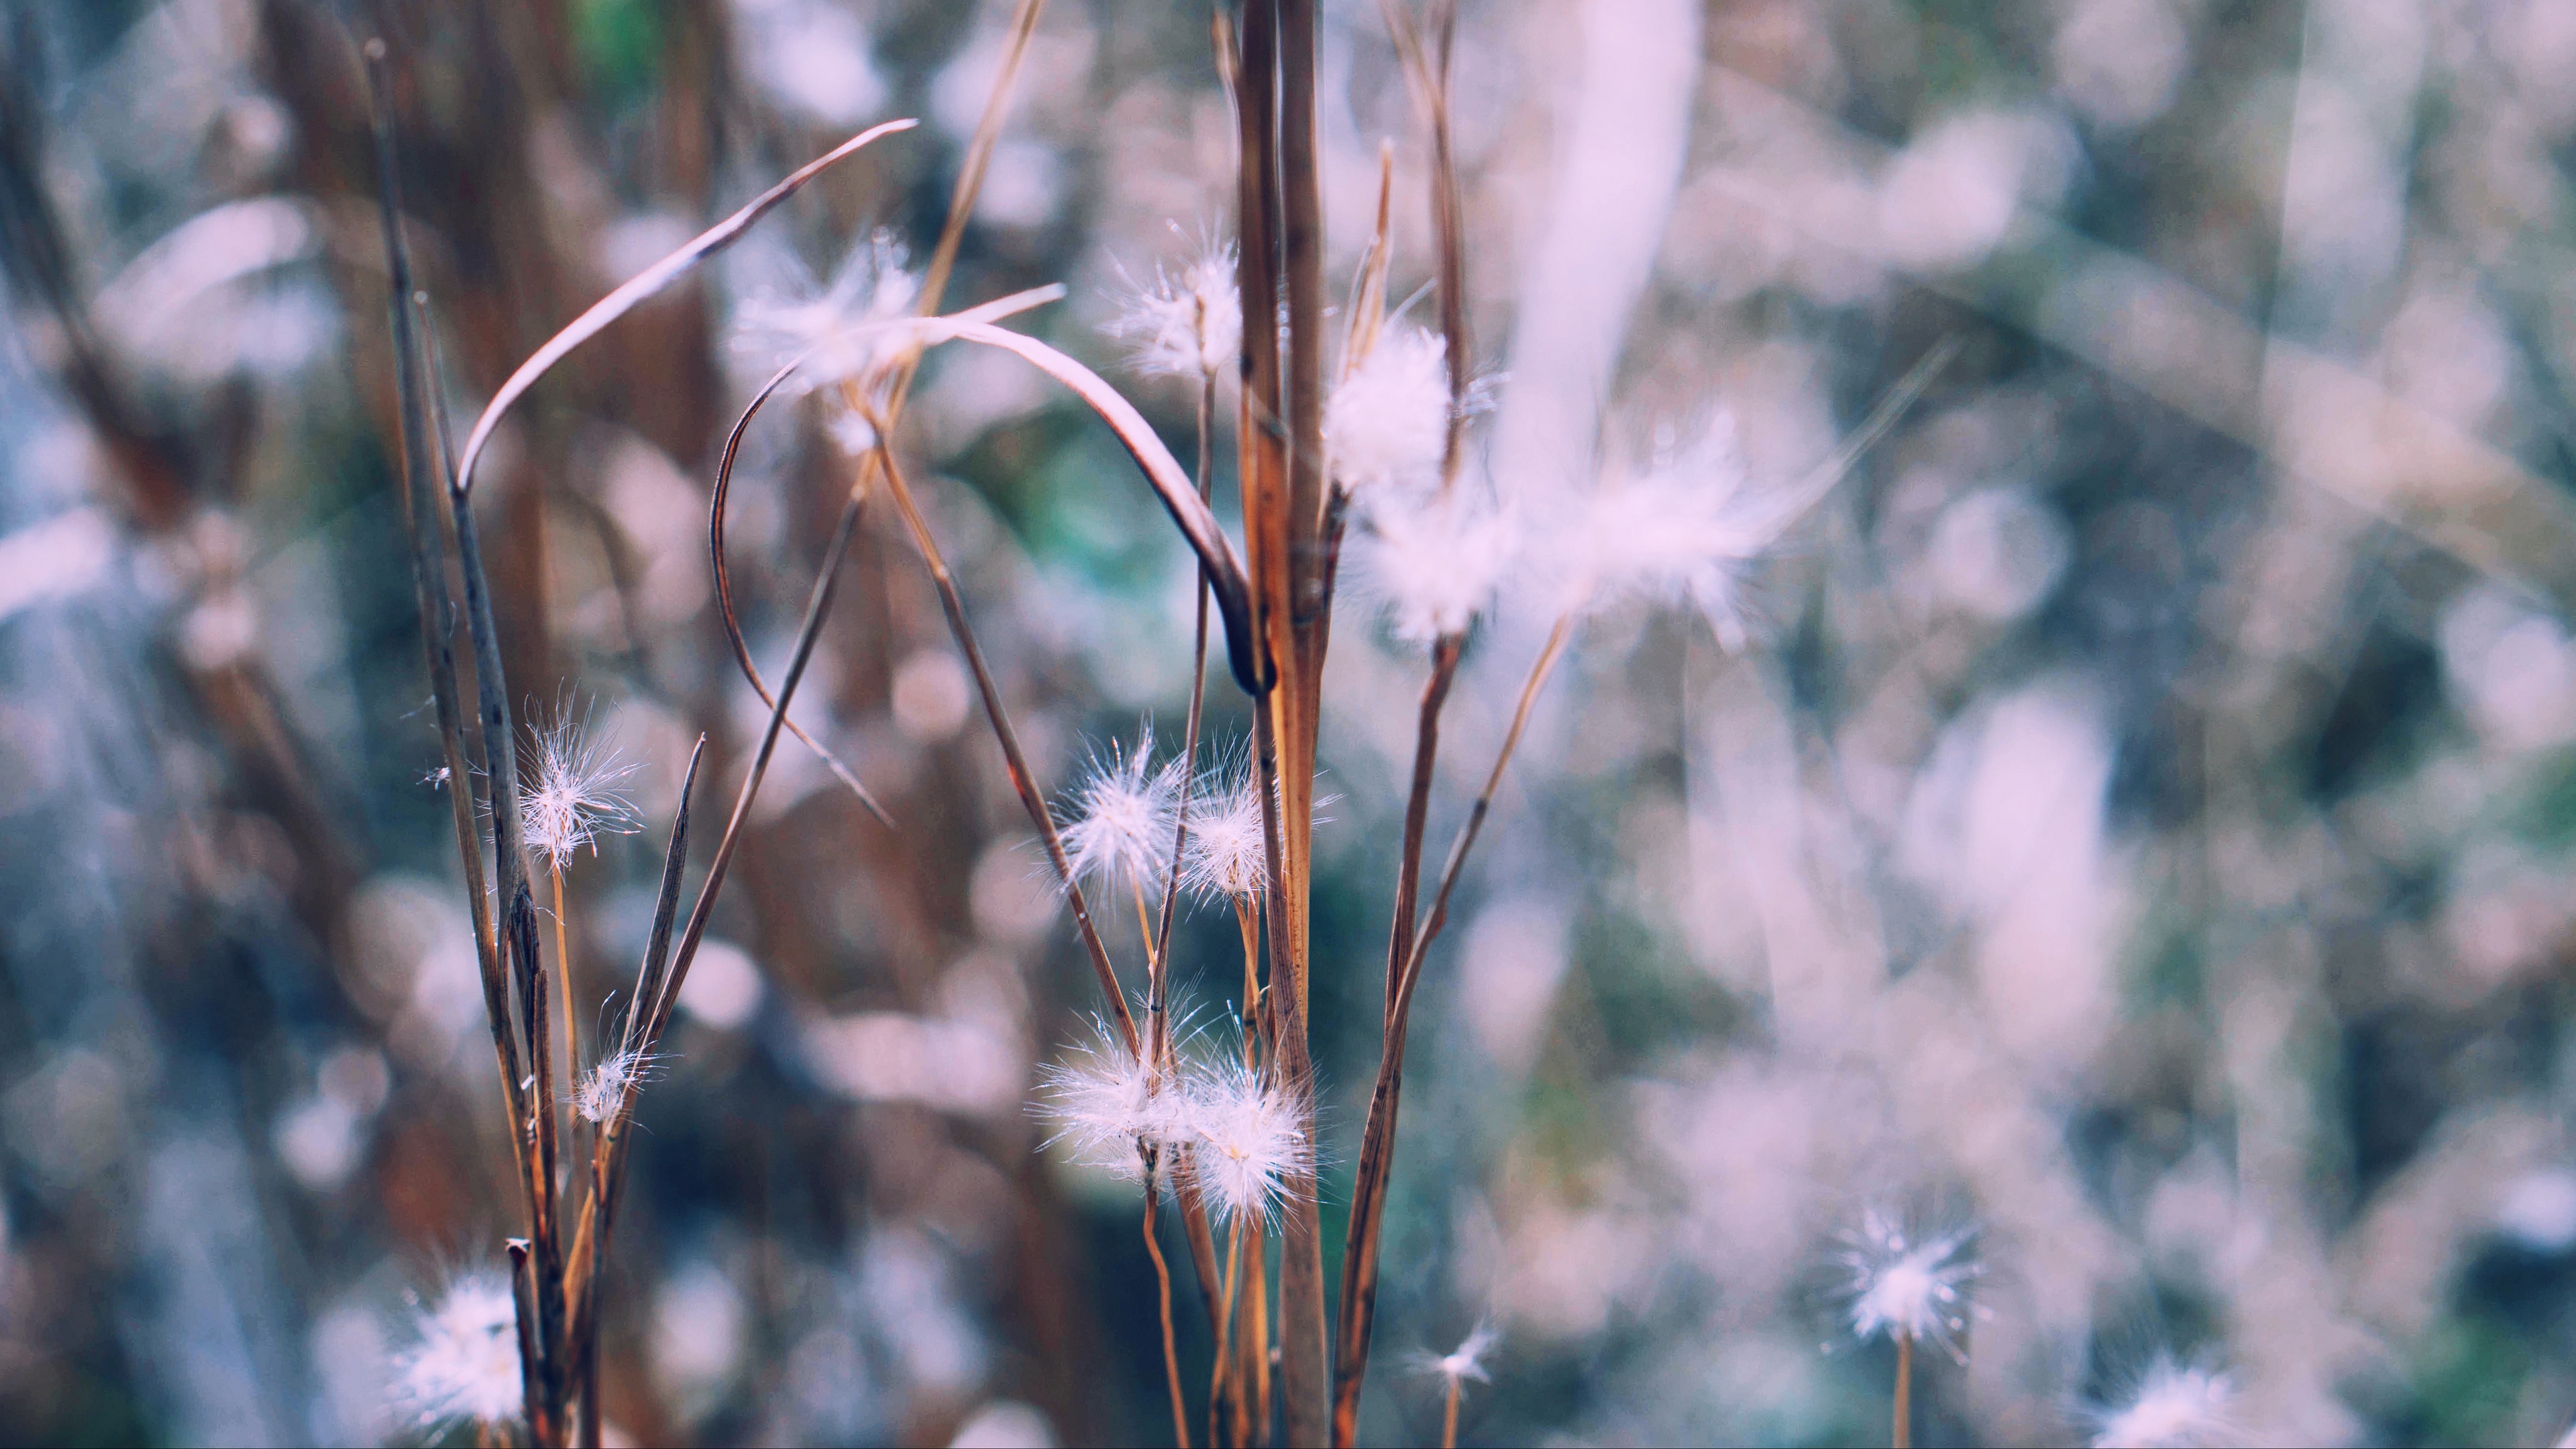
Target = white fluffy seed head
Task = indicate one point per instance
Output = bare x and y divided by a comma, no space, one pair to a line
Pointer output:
1687,528
1105,1104
463,1363
605,1085
1119,827
1186,324
1466,1362
2173,1408
1905,1286
1434,561
1227,857
1247,1138
1387,422
832,329
575,793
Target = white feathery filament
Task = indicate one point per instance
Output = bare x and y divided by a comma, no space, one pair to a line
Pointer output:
464,1365
575,794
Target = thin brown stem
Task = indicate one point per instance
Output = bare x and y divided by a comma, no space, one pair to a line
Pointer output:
563,975
1358,1316
1449,1416
1163,1290
1902,1432
1013,759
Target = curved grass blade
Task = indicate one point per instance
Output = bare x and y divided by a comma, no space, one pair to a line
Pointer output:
642,285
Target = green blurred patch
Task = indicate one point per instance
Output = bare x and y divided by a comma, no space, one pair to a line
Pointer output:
619,45
2544,811
2467,1381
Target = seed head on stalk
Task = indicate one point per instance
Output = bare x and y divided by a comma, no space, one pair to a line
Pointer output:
1248,1138
1119,827
1907,1287
463,1365
1187,323
1226,858
575,794
605,1085
1687,527
826,331
2172,1407
1387,422
1105,1102
1434,562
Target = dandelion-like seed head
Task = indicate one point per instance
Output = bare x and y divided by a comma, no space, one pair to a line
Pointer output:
1105,1103
605,1085
575,794
1387,422
1227,855
463,1366
1120,825
1434,562
1189,323
1466,1362
1685,529
1905,1287
835,331
2173,1407
1248,1140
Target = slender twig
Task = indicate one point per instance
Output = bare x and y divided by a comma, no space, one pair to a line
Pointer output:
1449,1415
1358,1309
1163,1292
1901,1434
1014,761
421,481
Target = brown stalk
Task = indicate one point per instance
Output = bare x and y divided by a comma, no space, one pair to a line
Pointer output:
1427,68
1377,1142
666,995
1362,1239
591,1234
1901,1435
1013,759
1358,1317
1449,1416
419,477
1163,1287
1284,524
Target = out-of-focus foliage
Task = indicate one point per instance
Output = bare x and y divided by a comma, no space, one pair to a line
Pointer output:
2139,832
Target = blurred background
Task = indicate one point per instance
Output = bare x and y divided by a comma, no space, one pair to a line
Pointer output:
2139,831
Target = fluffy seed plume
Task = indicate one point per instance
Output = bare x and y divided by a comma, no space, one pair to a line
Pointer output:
1226,858
1434,562
1247,1139
604,1086
1907,1288
463,1366
1685,529
575,794
1120,830
1466,1362
1105,1104
829,329
1188,324
1387,422
2172,1408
